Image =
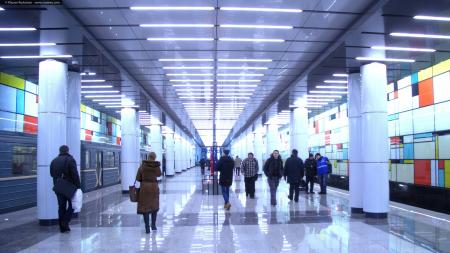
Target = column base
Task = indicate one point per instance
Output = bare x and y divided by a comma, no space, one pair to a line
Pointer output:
48,222
376,215
357,210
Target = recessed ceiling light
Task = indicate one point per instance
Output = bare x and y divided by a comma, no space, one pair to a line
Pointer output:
171,8
88,74
189,74
244,60
383,59
192,85
328,92
335,81
98,91
93,81
177,25
412,49
17,29
191,80
340,75
104,96
260,9
239,80
180,39
257,26
26,44
183,67
250,40
233,97
239,74
421,35
189,97
323,96
330,87
96,86
35,56
245,68
435,18
186,59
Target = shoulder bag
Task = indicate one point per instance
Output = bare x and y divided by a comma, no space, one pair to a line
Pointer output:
134,192
63,186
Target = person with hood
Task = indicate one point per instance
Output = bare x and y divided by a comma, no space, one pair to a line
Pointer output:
273,169
148,198
64,166
293,174
225,167
250,170
310,173
323,168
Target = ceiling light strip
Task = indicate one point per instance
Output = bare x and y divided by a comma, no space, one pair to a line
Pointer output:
383,59
171,8
421,35
260,9
257,26
409,49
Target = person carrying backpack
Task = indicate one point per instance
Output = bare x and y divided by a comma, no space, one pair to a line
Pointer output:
293,174
323,168
273,169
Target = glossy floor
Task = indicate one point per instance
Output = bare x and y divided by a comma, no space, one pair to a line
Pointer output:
192,221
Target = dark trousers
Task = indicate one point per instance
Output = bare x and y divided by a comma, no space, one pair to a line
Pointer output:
238,171
294,189
310,181
65,210
147,219
202,169
323,182
250,186
273,186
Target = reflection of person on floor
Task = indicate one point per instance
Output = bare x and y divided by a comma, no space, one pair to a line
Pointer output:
295,238
226,243
274,234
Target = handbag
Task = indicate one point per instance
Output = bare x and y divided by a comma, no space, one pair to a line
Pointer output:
134,192
64,187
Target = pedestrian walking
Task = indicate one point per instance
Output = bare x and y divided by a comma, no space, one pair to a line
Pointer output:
250,170
273,169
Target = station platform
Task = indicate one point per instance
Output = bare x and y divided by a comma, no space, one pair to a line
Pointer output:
189,221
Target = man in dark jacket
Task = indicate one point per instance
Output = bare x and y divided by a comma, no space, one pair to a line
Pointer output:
64,166
293,174
273,169
225,167
311,172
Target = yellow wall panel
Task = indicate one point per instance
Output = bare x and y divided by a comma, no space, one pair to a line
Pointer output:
441,67
408,161
425,74
12,81
83,108
447,173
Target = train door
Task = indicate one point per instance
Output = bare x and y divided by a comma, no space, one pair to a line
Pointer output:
99,168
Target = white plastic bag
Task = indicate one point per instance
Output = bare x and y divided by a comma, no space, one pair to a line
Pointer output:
77,201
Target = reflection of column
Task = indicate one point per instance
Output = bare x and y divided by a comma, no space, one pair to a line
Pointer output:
257,146
177,153
51,134
299,131
183,151
73,116
374,134
354,144
249,145
170,156
156,142
130,157
272,139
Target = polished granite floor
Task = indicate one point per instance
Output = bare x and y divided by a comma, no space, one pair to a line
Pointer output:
190,220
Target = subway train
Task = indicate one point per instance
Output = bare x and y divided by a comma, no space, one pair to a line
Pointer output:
99,167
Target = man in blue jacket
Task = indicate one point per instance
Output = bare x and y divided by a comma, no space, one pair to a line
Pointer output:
322,172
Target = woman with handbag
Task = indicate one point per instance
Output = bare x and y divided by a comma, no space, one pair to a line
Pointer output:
148,197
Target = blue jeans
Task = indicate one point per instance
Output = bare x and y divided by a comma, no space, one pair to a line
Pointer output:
273,185
323,182
226,193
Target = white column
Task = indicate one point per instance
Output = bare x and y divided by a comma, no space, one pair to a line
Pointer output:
258,147
130,147
170,155
299,131
272,139
354,146
156,142
374,135
53,78
178,153
249,145
73,116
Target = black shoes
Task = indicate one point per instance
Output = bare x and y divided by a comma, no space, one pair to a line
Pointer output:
63,228
147,230
290,198
153,228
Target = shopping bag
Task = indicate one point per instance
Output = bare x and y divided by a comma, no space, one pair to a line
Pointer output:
133,192
77,201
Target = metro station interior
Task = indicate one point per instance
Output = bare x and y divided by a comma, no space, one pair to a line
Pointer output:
364,83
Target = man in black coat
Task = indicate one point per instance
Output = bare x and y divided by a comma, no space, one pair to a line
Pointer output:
64,165
293,173
310,173
225,166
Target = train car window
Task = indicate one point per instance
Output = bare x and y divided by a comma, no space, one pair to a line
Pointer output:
108,161
87,159
24,161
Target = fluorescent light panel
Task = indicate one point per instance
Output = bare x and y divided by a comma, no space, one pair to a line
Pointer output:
250,40
244,60
328,92
186,59
383,59
260,9
17,29
189,74
191,80
239,74
245,68
35,56
104,96
88,74
96,86
184,67
171,8
330,87
26,44
434,18
180,39
107,100
323,96
335,81
238,85
409,49
98,91
421,35
340,75
177,25
192,85
93,81
257,26
239,80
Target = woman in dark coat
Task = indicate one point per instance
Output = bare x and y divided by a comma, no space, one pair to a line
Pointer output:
225,166
148,200
273,169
